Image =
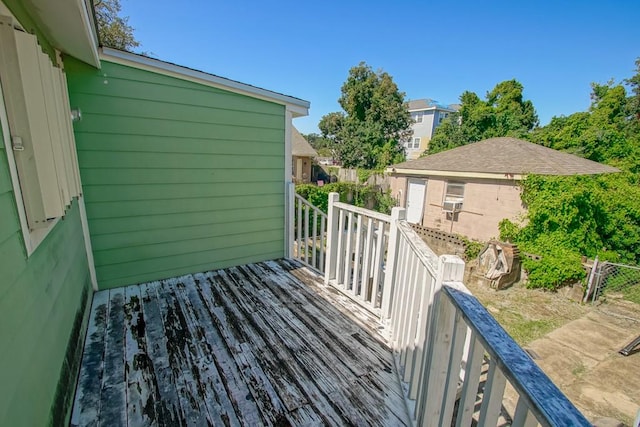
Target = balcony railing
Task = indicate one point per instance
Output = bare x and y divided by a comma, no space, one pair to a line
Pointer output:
455,361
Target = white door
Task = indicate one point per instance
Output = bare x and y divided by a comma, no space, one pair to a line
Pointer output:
415,200
299,169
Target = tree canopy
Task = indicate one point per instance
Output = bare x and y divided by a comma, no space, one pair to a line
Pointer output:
374,120
321,144
503,112
114,30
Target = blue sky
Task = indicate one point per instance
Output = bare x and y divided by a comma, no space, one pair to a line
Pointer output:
432,49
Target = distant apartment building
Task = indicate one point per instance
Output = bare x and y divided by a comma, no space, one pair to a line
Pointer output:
427,114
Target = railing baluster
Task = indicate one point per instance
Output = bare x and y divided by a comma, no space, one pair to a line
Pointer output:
367,287
408,313
357,288
324,242
299,229
341,251
333,238
523,416
400,293
438,358
306,234
414,311
473,370
314,240
459,339
377,262
348,252
492,395
422,345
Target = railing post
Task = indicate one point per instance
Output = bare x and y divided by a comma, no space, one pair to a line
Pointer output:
290,191
332,239
438,347
590,282
397,214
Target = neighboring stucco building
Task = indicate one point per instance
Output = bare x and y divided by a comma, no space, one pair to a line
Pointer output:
468,190
303,154
427,115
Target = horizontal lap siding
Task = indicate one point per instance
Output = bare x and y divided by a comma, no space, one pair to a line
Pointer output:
42,305
178,177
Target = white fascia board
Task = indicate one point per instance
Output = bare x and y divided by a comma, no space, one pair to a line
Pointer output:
434,108
413,110
90,30
454,174
297,106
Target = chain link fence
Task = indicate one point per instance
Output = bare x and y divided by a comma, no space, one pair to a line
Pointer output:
621,280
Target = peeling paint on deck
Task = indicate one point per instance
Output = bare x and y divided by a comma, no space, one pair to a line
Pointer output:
249,345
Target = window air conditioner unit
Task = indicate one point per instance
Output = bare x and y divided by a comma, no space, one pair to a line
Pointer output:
451,207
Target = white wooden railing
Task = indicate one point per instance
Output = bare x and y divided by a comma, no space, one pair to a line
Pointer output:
310,237
450,352
356,252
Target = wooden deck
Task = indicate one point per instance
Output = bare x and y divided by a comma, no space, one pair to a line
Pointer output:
261,344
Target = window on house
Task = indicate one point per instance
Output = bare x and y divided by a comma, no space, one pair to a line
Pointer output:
37,133
417,117
415,143
442,117
453,199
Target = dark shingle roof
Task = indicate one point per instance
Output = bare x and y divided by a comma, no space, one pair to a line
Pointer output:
507,156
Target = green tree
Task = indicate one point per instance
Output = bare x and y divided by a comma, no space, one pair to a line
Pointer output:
504,112
322,145
607,133
114,30
374,120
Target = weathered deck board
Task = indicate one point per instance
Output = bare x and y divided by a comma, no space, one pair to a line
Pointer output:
262,344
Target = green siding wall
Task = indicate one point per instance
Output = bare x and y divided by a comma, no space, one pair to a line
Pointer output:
178,177
43,306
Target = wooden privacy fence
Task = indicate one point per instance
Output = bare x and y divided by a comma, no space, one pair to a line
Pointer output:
451,353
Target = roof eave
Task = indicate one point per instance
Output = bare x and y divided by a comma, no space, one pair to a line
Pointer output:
454,174
69,26
297,107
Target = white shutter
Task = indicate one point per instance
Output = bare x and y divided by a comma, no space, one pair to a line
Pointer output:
29,59
39,117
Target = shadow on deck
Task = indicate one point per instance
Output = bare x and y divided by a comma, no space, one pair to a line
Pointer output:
263,343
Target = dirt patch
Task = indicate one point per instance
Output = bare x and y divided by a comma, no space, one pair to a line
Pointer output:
528,314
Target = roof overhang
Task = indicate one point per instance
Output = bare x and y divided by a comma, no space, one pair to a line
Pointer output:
454,174
68,26
296,106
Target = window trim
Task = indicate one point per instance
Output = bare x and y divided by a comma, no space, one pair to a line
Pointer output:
453,198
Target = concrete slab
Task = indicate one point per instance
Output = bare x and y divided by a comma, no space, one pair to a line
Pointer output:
592,335
561,363
582,359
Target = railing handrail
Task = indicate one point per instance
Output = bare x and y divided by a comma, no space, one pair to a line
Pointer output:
549,405
362,211
423,252
313,207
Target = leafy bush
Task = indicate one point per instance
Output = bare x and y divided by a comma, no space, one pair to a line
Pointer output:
366,196
571,216
557,267
471,248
